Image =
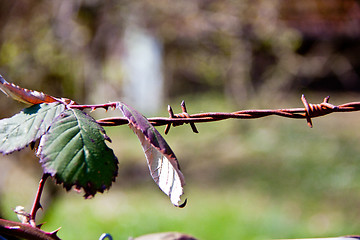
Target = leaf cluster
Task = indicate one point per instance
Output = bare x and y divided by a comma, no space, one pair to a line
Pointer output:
72,145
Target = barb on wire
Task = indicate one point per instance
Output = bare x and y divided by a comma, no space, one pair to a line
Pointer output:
184,114
315,110
310,111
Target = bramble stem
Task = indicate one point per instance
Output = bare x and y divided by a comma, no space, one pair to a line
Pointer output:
36,204
25,231
106,106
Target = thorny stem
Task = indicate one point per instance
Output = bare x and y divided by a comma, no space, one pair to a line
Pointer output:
105,106
36,205
25,231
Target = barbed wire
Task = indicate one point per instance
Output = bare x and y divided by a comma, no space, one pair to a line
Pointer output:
308,112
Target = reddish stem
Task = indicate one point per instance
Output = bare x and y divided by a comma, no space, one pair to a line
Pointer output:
105,106
36,205
25,231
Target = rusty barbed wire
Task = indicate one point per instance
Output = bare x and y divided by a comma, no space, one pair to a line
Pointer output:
308,112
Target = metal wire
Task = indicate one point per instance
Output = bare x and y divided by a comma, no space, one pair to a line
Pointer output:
310,111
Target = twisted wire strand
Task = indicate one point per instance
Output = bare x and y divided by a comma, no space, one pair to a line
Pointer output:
310,111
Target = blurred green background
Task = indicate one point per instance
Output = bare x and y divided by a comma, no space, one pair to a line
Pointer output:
246,179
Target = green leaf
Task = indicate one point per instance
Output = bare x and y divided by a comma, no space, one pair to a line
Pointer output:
75,153
163,165
27,126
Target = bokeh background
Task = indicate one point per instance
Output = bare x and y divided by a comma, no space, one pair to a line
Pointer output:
246,179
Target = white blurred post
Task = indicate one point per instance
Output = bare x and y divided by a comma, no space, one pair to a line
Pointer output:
143,69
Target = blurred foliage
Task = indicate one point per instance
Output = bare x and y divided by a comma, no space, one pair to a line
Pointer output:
241,48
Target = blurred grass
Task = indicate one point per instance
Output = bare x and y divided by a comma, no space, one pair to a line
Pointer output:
246,179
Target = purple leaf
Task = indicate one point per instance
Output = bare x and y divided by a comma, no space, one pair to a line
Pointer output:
163,165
